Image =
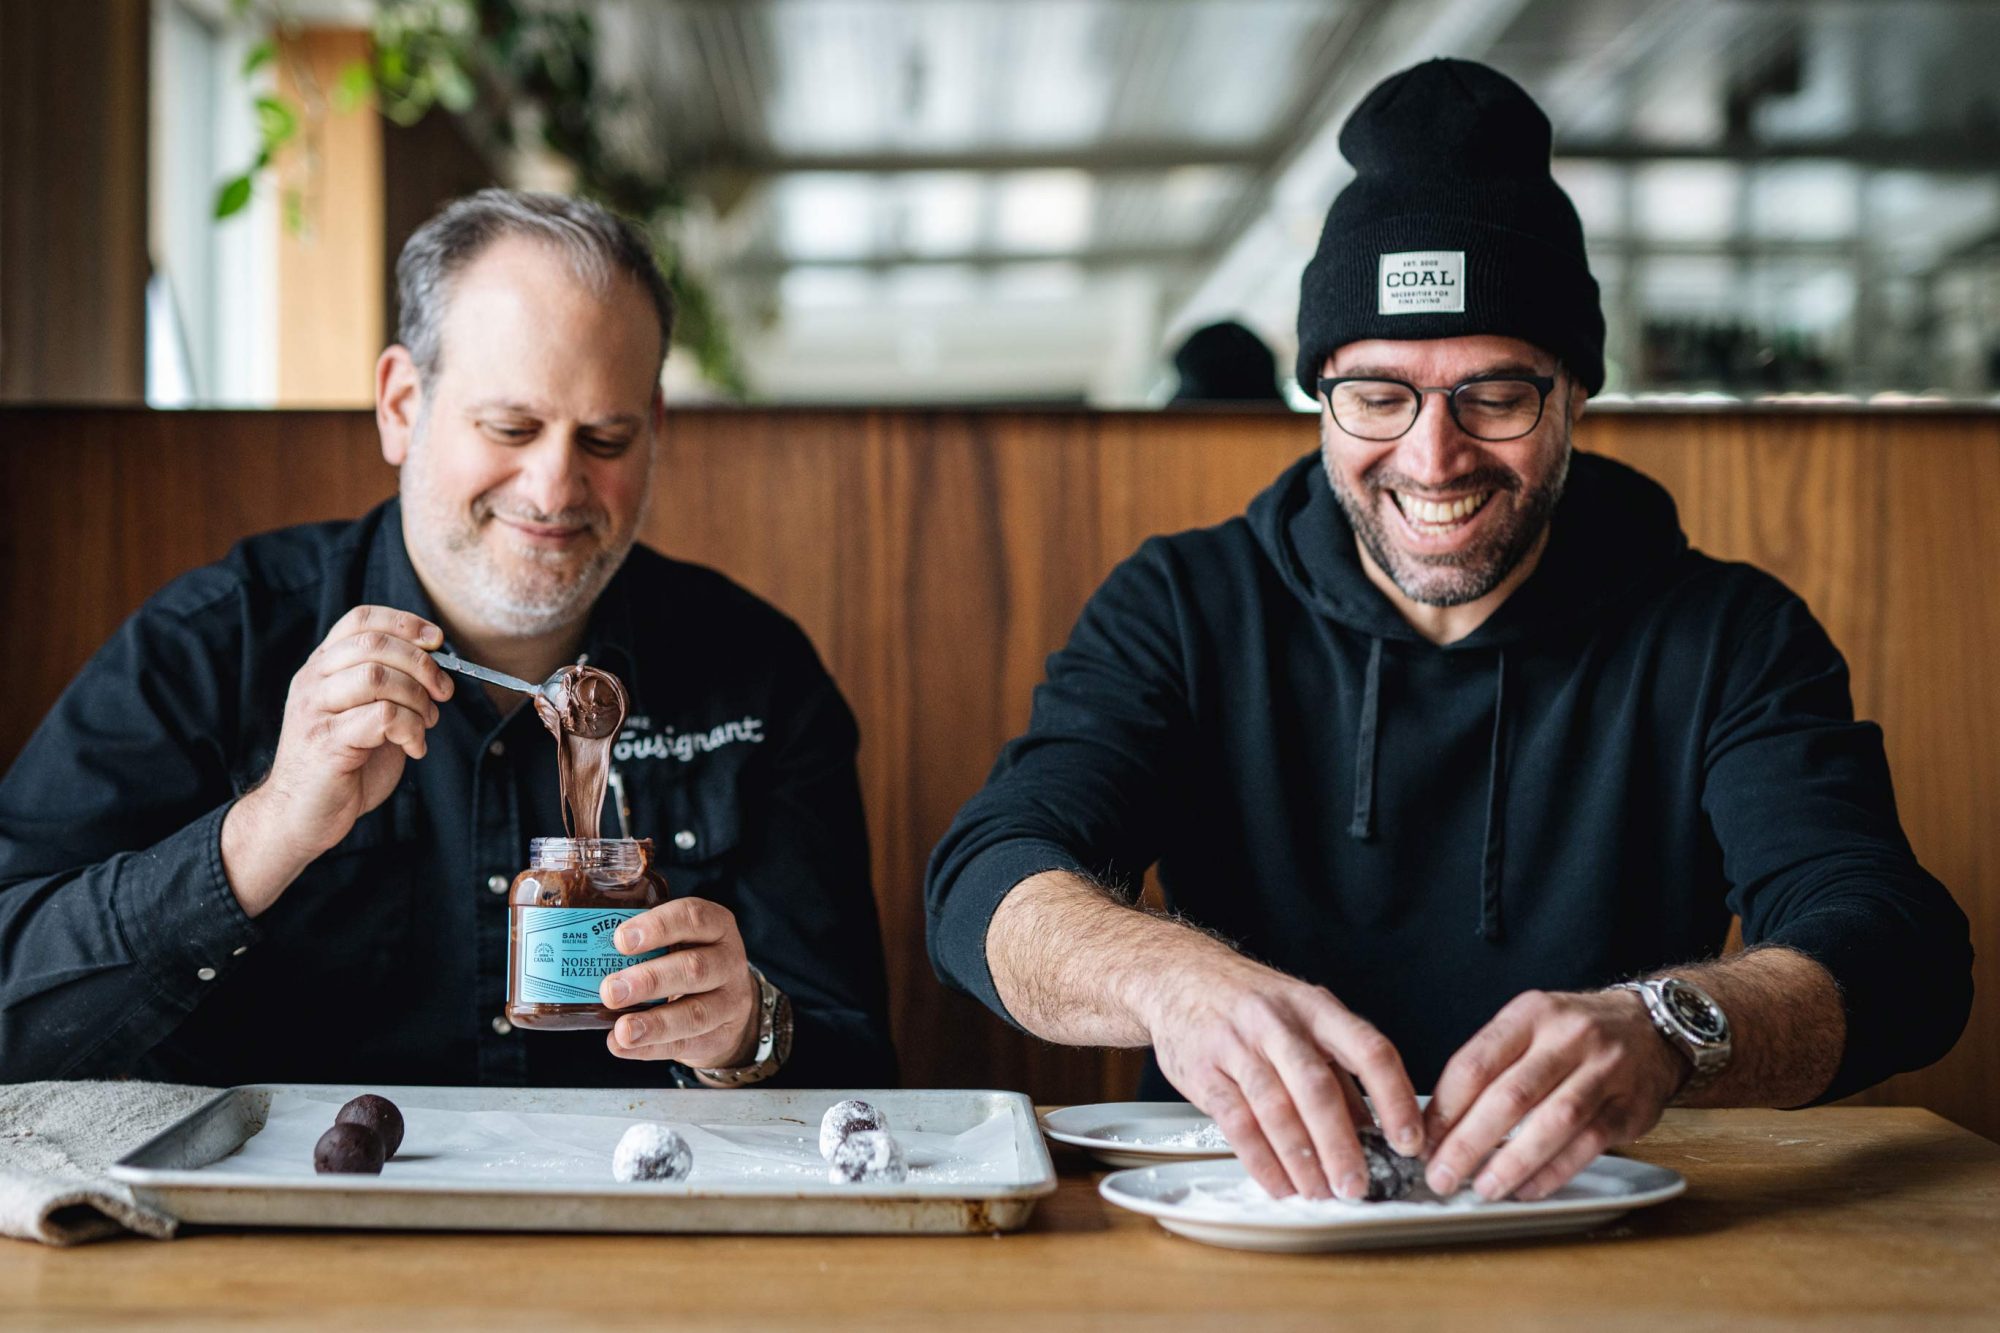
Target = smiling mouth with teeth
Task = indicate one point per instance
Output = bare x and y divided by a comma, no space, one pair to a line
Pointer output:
1440,515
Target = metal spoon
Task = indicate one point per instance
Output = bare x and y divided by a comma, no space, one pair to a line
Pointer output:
452,662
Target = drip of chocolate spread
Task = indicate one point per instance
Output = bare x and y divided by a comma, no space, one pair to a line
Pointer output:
583,710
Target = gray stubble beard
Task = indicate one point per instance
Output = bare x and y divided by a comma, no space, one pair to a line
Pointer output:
505,609
1478,571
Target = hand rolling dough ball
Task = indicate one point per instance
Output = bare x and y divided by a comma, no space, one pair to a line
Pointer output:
1390,1174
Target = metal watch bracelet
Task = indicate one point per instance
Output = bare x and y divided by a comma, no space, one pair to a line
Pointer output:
774,1039
1707,1054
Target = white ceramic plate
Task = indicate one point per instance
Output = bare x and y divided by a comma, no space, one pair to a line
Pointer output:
1216,1202
1137,1133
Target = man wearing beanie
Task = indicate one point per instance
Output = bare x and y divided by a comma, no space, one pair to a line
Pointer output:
1454,758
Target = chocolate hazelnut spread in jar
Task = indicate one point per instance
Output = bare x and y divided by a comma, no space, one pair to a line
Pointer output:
563,911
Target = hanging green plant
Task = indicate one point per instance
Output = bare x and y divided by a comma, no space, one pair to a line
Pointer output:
496,65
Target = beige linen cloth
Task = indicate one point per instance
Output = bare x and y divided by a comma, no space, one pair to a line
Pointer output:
57,1139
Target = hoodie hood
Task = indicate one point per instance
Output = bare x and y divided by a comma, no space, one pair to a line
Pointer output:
1612,529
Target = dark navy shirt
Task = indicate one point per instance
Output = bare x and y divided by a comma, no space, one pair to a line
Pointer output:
123,951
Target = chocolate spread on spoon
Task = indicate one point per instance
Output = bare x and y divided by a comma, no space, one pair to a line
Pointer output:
583,708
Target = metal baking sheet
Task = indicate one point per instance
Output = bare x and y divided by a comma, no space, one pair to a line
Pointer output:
209,1169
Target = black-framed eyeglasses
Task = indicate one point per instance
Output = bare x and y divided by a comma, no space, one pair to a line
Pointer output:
1486,407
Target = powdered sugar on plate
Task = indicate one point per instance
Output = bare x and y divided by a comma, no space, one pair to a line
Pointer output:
1137,1133
1217,1202
1229,1197
1206,1137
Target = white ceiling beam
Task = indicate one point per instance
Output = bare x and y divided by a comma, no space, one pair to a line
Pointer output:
1104,159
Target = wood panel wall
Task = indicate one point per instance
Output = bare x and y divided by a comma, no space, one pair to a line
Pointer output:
936,557
73,143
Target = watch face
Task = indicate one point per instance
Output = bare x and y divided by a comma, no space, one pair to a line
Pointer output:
1701,1017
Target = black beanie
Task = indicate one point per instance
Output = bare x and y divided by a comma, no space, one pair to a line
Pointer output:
1452,226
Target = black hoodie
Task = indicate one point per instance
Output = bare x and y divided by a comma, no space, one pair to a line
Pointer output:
1641,741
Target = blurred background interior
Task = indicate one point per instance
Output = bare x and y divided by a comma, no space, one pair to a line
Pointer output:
979,201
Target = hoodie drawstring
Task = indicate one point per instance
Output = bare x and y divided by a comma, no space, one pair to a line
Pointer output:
1362,826
1491,850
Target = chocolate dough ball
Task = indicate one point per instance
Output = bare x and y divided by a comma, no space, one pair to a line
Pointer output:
844,1118
376,1113
650,1151
349,1150
1390,1174
868,1157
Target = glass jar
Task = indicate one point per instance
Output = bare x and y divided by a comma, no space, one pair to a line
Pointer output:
563,911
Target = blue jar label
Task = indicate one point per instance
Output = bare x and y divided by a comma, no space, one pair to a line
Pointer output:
566,951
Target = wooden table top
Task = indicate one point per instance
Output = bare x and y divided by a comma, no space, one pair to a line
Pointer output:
1837,1217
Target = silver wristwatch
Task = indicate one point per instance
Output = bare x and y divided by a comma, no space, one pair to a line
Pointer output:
774,1038
1692,1023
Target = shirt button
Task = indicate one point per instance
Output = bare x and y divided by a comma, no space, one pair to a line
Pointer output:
496,884
502,1026
206,974
239,951
497,749
684,840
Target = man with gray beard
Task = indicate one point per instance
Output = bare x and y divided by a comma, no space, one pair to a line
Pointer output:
264,837
1454,759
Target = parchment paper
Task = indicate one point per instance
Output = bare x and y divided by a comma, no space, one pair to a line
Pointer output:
455,1147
